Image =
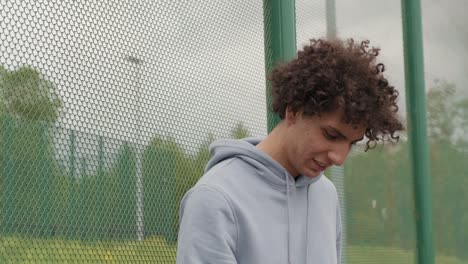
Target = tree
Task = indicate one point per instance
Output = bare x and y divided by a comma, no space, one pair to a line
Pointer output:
28,106
447,114
239,131
26,95
121,196
163,161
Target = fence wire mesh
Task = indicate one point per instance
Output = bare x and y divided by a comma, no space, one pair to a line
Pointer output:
446,57
107,109
377,187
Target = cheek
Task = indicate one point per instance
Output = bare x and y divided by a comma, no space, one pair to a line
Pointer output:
314,144
308,145
307,153
315,150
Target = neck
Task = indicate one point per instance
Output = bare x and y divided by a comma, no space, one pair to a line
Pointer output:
275,146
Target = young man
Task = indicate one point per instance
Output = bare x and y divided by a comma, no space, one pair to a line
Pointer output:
266,201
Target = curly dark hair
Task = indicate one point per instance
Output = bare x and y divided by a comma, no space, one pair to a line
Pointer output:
331,74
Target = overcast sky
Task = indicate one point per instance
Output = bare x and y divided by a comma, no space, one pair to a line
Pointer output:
200,65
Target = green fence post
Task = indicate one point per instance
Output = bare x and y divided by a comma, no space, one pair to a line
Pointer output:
417,128
72,154
82,200
100,195
9,184
169,176
280,42
70,217
150,192
84,167
164,176
45,225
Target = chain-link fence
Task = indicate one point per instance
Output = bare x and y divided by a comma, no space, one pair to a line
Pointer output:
378,185
107,109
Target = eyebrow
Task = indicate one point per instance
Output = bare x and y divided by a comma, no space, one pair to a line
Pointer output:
337,131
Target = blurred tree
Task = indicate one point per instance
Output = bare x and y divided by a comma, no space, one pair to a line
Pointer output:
163,161
441,111
28,106
239,131
123,194
25,94
203,155
447,114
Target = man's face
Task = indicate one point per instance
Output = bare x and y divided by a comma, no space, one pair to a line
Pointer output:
315,143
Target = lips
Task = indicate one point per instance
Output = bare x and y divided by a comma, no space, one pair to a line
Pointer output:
319,167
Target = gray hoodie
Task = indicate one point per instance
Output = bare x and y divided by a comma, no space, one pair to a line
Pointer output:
247,209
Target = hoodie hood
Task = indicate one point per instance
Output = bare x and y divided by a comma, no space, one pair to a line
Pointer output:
266,167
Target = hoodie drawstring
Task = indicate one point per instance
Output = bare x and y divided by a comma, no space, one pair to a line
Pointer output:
289,212
307,222
307,227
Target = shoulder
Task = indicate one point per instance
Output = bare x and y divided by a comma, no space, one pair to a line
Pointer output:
206,196
213,187
226,175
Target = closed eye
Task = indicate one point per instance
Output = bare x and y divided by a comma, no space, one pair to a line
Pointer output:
330,136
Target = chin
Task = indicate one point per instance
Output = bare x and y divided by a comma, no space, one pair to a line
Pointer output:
312,174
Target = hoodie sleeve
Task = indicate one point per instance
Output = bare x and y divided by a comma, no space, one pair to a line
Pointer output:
208,230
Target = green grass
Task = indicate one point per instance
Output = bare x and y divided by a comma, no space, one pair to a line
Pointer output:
386,255
38,251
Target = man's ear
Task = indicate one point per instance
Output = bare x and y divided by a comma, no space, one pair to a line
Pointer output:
291,116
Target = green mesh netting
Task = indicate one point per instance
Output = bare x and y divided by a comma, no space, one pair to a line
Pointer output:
106,112
376,188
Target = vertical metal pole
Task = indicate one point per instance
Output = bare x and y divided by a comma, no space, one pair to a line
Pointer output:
331,19
71,220
9,186
83,189
44,182
280,42
416,107
99,224
139,178
72,154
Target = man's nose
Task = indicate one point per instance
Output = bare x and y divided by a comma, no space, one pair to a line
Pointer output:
338,154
